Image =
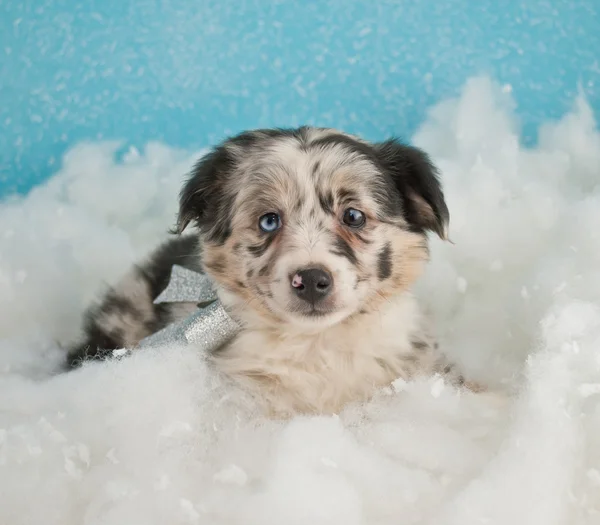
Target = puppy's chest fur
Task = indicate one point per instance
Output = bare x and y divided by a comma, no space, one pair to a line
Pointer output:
319,373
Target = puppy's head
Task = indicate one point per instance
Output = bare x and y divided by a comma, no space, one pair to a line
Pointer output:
310,226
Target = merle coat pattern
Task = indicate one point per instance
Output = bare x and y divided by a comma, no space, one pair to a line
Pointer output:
314,238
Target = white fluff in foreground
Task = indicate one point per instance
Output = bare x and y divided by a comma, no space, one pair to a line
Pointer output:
156,439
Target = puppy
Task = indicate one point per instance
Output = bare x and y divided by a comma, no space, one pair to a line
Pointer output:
313,238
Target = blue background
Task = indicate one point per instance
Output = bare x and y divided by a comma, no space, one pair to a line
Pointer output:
188,72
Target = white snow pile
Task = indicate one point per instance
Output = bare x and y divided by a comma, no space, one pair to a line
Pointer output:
157,439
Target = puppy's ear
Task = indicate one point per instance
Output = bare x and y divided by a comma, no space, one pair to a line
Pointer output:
204,199
417,182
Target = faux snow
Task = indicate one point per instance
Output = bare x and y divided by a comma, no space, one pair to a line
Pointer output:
156,438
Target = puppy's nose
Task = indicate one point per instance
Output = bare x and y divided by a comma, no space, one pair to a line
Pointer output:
312,284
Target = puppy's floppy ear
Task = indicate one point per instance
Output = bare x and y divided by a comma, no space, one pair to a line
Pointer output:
203,198
416,179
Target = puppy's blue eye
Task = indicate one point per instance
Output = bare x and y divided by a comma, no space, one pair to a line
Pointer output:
354,218
269,222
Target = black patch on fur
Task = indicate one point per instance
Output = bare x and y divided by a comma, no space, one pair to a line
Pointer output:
249,274
344,195
415,179
204,198
122,306
257,250
352,144
343,249
420,345
384,262
326,202
315,168
263,271
99,342
299,134
217,266
359,280
362,238
240,284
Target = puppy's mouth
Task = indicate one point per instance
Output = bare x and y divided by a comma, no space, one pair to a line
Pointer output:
313,311
314,314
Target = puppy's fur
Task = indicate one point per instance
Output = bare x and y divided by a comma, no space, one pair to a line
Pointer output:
299,355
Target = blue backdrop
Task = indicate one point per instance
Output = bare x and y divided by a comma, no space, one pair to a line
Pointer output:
188,72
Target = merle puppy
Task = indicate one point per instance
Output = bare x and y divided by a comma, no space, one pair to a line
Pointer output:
313,238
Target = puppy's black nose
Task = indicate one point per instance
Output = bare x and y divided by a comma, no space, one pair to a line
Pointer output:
312,284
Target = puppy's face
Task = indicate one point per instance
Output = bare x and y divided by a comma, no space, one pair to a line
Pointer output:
311,226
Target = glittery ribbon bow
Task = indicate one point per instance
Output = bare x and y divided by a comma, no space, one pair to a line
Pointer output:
208,328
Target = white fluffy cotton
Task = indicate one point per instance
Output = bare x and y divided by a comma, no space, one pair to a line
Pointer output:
157,439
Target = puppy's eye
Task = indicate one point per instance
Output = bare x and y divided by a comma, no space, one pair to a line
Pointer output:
269,222
354,218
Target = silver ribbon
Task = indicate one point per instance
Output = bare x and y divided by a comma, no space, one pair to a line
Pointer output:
187,286
208,328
